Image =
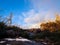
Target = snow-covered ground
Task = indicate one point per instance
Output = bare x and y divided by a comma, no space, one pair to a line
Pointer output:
18,41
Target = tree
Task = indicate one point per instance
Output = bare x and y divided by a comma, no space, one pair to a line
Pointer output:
2,30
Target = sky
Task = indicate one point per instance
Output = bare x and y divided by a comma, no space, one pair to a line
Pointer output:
29,13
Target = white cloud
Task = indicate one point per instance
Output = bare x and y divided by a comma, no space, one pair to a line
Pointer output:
29,26
44,13
33,18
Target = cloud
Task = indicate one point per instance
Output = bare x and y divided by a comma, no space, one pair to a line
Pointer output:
42,10
33,19
29,26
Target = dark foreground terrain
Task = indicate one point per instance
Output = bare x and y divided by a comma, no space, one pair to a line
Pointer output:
18,41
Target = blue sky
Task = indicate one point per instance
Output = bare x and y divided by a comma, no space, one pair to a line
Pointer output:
29,13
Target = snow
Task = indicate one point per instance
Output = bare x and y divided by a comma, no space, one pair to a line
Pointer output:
20,40
17,39
2,41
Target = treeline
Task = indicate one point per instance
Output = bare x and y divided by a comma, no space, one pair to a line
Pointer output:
49,32
51,25
33,34
11,31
